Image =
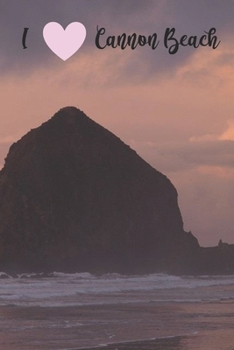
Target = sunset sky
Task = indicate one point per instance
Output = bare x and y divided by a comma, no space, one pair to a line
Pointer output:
176,110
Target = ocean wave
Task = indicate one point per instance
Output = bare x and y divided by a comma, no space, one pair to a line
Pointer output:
84,288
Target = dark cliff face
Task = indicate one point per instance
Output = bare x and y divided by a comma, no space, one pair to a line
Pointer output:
74,197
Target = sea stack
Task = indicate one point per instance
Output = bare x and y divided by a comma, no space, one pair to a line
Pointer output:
74,197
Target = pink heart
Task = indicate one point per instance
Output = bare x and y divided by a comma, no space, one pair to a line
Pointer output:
64,42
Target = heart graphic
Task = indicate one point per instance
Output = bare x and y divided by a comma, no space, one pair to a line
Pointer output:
64,42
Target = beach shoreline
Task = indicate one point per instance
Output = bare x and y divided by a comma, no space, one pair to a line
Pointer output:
146,326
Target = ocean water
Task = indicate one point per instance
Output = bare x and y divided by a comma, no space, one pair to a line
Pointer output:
77,311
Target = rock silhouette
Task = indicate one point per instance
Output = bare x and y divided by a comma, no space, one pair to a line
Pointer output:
74,197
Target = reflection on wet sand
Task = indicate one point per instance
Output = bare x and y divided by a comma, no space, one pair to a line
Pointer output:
173,343
163,326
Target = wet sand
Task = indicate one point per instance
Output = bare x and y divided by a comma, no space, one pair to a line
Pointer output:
152,344
162,326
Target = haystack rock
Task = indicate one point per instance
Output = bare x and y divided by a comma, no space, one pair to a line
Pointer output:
74,197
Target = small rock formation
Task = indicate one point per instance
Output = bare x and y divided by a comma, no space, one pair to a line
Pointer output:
216,260
74,197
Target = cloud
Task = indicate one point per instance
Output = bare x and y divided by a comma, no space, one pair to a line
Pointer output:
129,16
229,133
181,156
209,153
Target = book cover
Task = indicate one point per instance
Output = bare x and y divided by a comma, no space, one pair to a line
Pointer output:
116,182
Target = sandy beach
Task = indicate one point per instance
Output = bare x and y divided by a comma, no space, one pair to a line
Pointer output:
142,326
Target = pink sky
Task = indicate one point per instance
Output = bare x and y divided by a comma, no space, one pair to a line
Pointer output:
179,118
